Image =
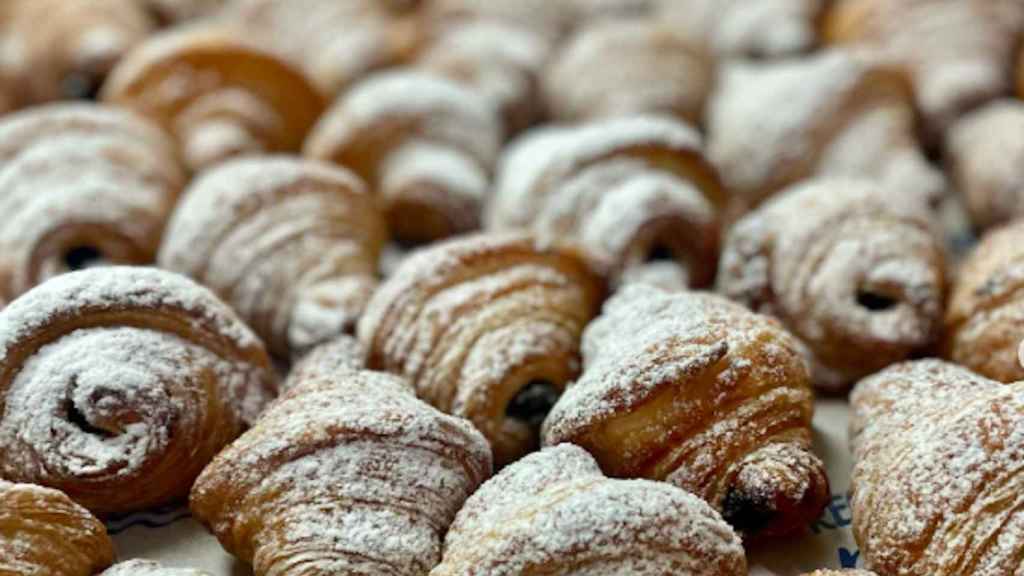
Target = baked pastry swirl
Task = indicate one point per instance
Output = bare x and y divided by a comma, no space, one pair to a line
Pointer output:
347,474
936,488
853,268
485,327
555,513
840,573
118,385
291,244
149,568
80,185
43,532
697,391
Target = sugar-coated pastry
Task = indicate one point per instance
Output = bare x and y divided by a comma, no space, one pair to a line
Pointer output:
118,385
340,355
840,573
630,191
218,93
80,185
552,19
150,568
424,143
936,485
345,474
173,12
697,391
853,268
747,28
834,113
617,67
554,513
485,327
985,315
291,244
42,532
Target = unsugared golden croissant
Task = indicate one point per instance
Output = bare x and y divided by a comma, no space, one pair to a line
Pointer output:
697,391
554,512
834,113
220,95
80,185
425,144
936,485
347,473
485,327
43,532
149,568
291,244
853,268
633,192
118,385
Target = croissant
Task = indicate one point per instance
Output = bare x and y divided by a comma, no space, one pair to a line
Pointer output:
552,19
427,157
840,573
957,53
291,244
553,512
983,320
349,474
631,67
697,391
217,94
855,270
935,485
118,385
632,191
340,355
148,568
174,12
80,184
485,327
43,532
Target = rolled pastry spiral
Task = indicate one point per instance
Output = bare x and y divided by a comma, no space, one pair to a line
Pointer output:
983,325
633,192
936,484
174,12
841,573
631,66
80,185
428,157
219,95
43,532
555,513
552,19
340,355
290,244
835,113
347,474
697,391
853,268
149,568
485,327
118,385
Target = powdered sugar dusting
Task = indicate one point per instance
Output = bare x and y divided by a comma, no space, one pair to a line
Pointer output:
149,568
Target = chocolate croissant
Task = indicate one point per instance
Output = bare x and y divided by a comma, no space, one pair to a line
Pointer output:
935,485
426,145
554,512
149,568
43,532
219,95
983,325
485,327
633,191
118,385
291,244
854,269
348,474
80,185
835,113
697,391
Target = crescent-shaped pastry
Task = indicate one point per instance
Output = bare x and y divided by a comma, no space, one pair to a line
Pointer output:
631,191
853,268
840,573
425,144
149,568
554,513
340,355
936,485
348,474
43,532
485,327
552,19
175,12
118,385
80,185
290,244
219,95
697,391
